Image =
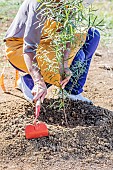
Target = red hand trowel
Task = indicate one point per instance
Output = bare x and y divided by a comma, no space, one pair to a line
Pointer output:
36,130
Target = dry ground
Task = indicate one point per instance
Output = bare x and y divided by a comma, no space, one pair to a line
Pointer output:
86,144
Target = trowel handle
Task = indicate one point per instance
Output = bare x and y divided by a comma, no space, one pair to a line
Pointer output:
37,110
38,103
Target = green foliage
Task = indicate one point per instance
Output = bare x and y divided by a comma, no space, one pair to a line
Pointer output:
105,13
8,9
71,17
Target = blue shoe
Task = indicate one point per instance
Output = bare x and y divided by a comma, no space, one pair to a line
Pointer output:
78,97
22,85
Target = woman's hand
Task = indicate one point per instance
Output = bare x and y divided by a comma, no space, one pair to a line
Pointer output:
39,91
65,77
65,72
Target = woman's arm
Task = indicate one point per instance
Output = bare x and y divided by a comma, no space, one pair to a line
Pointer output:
32,35
39,90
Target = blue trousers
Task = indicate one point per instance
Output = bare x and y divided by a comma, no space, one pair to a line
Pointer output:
79,66
81,63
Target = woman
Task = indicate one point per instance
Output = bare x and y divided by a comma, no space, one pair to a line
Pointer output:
26,40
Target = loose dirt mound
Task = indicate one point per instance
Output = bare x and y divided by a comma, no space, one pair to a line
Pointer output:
89,132
87,142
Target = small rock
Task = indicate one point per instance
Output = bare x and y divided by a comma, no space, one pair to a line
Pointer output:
98,54
51,119
74,114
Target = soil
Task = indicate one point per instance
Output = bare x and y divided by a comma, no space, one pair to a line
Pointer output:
86,143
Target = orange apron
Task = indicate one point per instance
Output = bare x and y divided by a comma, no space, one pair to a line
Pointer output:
45,54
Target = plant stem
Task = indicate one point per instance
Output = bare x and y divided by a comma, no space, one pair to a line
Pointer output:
63,104
64,110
